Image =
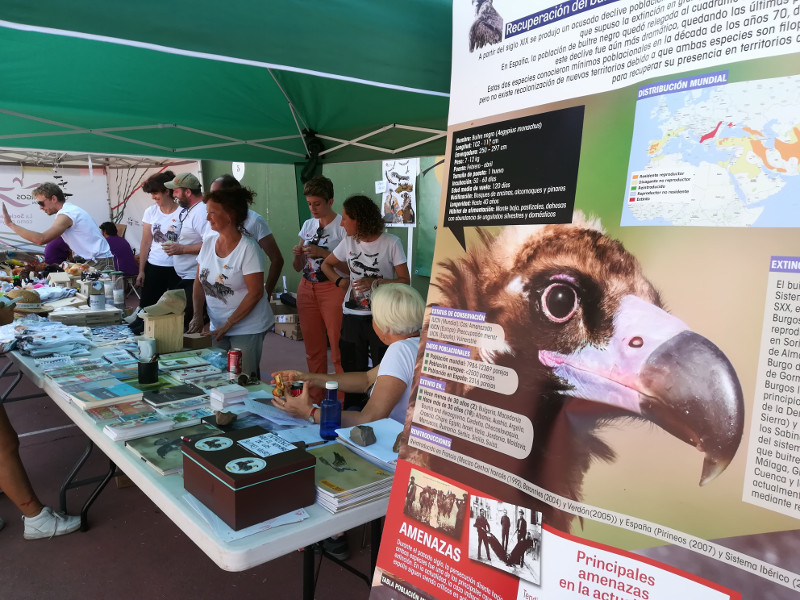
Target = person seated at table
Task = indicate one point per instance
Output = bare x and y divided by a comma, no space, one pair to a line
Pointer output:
124,260
40,521
230,280
397,313
56,251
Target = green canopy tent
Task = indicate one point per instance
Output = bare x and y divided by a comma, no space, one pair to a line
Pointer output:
234,81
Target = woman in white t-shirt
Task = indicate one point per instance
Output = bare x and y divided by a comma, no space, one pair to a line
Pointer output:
319,301
397,313
230,280
372,258
160,224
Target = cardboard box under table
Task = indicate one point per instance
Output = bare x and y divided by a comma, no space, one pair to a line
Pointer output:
242,487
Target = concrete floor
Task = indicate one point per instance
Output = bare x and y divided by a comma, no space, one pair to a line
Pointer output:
131,549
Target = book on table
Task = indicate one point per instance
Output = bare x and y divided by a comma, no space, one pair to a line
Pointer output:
173,394
124,411
168,364
136,428
344,479
162,451
104,393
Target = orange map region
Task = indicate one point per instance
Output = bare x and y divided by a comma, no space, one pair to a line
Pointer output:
754,132
761,152
789,150
711,134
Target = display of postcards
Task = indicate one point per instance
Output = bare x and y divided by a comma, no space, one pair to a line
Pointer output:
118,356
111,333
124,411
194,372
172,394
163,451
136,428
182,405
72,384
79,366
47,363
168,364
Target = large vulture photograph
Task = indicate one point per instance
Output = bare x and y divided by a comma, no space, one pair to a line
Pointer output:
594,349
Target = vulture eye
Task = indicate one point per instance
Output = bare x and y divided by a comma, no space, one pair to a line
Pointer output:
559,302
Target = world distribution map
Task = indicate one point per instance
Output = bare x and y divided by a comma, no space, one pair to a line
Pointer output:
721,156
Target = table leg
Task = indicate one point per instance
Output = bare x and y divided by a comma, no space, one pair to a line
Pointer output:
376,530
70,483
308,572
4,396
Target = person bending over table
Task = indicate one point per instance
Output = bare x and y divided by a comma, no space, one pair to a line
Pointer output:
397,313
124,260
371,257
230,280
72,223
40,521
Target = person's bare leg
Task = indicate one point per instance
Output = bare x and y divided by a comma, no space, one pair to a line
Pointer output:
13,478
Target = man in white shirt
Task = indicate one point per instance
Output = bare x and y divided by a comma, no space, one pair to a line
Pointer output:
187,191
72,223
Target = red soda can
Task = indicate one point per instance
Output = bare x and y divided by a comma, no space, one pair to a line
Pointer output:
234,361
296,389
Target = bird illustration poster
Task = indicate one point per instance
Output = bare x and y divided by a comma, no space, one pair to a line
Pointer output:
399,206
612,337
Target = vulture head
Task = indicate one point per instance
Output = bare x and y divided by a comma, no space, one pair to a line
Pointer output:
588,337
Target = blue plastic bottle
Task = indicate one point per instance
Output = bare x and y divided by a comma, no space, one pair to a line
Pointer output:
330,418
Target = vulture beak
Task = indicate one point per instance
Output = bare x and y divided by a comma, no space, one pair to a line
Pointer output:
655,367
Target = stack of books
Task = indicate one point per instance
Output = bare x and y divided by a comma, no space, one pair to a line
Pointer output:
157,423
344,480
124,411
226,395
96,388
167,395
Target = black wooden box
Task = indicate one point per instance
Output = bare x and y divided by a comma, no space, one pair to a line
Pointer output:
242,488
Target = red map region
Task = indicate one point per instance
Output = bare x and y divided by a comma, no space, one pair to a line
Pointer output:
711,134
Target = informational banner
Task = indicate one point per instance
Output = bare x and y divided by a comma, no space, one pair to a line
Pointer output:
607,400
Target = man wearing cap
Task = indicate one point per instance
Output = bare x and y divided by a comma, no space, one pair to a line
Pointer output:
72,223
194,226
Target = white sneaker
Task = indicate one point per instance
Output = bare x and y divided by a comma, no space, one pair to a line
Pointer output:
48,524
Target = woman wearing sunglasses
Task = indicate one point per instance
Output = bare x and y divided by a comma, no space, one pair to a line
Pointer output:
319,301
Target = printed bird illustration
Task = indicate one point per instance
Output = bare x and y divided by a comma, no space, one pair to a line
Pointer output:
587,336
487,27
339,463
